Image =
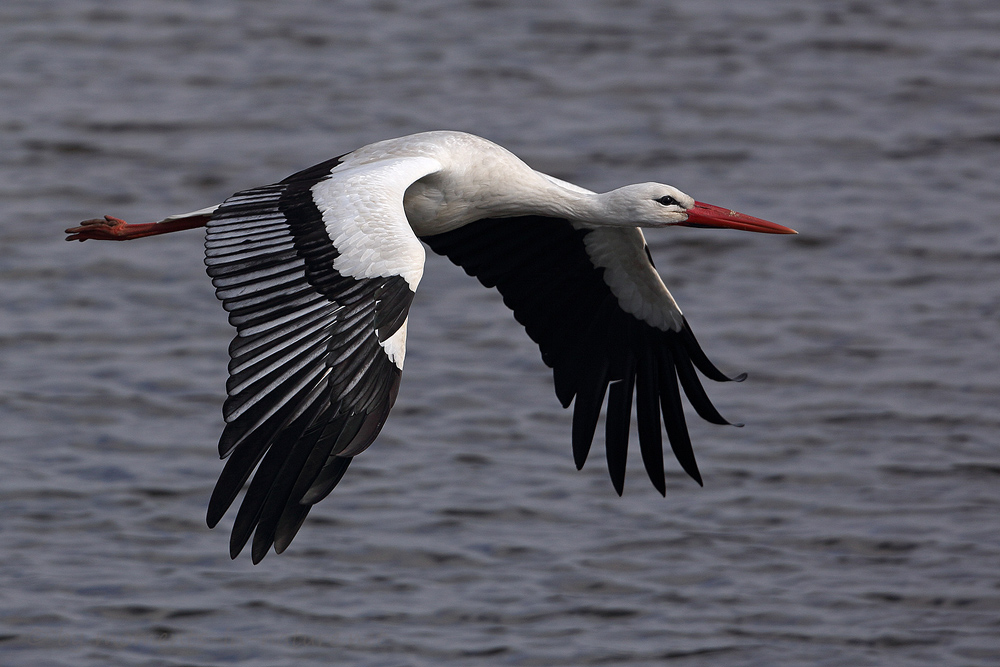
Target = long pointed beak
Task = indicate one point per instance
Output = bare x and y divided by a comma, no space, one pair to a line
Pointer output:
707,215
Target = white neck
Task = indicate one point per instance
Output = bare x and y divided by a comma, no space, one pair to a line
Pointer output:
479,179
531,193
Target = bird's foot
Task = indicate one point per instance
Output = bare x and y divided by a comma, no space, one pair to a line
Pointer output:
108,228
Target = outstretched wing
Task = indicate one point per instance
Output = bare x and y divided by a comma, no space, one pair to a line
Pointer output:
606,325
318,281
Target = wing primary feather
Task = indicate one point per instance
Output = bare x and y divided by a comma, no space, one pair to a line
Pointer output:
222,253
228,235
617,427
246,446
245,385
241,257
295,511
587,408
349,373
247,301
328,478
274,278
267,387
284,316
259,342
236,271
280,286
647,414
368,426
281,326
695,392
673,416
699,358
250,509
564,377
300,304
291,520
253,418
280,489
347,347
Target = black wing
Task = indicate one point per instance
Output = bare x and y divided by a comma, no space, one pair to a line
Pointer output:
541,268
310,385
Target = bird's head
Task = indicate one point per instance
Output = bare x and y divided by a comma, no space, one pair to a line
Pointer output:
659,205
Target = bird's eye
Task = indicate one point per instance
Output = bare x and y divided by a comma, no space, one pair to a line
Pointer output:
668,201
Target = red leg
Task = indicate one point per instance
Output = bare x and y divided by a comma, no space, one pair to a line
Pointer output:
110,228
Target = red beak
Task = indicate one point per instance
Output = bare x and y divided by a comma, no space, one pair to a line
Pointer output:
707,215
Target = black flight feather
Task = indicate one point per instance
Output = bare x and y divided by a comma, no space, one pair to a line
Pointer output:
541,268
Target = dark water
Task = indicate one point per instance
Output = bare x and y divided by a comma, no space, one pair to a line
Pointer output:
854,521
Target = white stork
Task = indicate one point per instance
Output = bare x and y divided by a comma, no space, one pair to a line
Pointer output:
318,272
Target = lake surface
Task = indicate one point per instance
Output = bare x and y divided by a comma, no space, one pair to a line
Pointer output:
854,521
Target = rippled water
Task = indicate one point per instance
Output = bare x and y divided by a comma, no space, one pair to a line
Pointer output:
854,521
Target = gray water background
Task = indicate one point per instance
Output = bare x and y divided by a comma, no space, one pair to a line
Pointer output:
854,521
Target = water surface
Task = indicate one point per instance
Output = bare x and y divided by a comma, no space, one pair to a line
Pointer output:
853,521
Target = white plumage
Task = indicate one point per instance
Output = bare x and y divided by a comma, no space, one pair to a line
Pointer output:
318,272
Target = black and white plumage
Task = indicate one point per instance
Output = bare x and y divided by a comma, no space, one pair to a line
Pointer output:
318,273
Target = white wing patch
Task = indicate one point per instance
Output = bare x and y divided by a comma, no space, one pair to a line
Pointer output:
395,345
362,208
621,252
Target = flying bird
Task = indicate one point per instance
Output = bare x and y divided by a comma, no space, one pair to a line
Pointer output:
317,273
